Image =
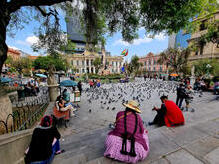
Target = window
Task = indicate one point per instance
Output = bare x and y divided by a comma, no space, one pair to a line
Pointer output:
160,68
154,69
92,62
87,62
83,63
77,62
145,63
154,62
72,62
149,62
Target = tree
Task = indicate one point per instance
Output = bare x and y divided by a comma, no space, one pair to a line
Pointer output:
45,62
134,65
22,64
97,64
206,67
100,16
175,59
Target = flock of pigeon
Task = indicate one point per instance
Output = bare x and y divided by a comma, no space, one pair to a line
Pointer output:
109,95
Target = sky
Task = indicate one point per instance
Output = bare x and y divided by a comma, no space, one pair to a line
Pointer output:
23,39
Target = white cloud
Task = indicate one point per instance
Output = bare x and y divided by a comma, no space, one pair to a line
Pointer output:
29,41
146,39
15,48
32,40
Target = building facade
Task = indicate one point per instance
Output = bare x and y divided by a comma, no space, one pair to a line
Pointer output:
172,41
14,54
81,60
179,40
151,66
203,51
83,63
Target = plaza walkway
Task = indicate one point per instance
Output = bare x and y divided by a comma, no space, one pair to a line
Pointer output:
196,142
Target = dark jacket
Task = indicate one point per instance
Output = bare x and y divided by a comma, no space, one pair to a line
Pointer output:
40,148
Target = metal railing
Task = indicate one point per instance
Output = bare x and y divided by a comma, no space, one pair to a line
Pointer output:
27,113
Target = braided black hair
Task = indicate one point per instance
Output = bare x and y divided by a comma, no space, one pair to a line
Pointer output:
132,138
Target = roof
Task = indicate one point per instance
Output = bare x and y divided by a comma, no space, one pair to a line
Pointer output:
15,52
33,57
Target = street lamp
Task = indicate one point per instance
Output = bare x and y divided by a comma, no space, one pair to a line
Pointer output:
208,66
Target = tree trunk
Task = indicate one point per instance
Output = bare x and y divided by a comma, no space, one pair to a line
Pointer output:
5,103
4,20
52,84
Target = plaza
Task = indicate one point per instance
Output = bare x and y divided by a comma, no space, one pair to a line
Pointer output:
195,142
109,82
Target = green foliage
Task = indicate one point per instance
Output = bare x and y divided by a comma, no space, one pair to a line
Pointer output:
206,67
45,62
9,60
68,47
134,65
110,76
21,64
176,59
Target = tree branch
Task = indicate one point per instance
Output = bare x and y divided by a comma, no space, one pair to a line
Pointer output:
14,5
45,14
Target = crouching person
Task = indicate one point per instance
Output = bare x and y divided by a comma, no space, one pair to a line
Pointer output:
128,142
44,143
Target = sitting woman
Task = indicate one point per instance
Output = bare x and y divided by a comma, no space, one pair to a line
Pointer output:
66,95
44,144
128,142
63,107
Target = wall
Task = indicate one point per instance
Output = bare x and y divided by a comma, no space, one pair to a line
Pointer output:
13,146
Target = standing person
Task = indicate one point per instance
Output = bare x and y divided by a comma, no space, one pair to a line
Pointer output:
98,83
44,143
94,83
80,87
180,95
145,77
91,84
188,98
169,114
128,142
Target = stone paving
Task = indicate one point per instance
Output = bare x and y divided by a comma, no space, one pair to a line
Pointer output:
196,142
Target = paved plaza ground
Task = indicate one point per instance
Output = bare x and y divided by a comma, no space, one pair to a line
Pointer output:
195,142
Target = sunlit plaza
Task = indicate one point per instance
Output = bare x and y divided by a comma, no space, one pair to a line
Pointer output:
109,82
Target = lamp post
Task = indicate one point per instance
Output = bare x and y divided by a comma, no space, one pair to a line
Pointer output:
208,66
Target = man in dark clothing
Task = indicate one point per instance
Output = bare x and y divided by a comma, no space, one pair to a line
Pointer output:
145,77
159,118
169,114
80,87
180,95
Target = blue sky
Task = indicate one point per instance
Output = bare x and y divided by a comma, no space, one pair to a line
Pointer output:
25,38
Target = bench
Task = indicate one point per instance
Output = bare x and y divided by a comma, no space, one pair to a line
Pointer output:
60,117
